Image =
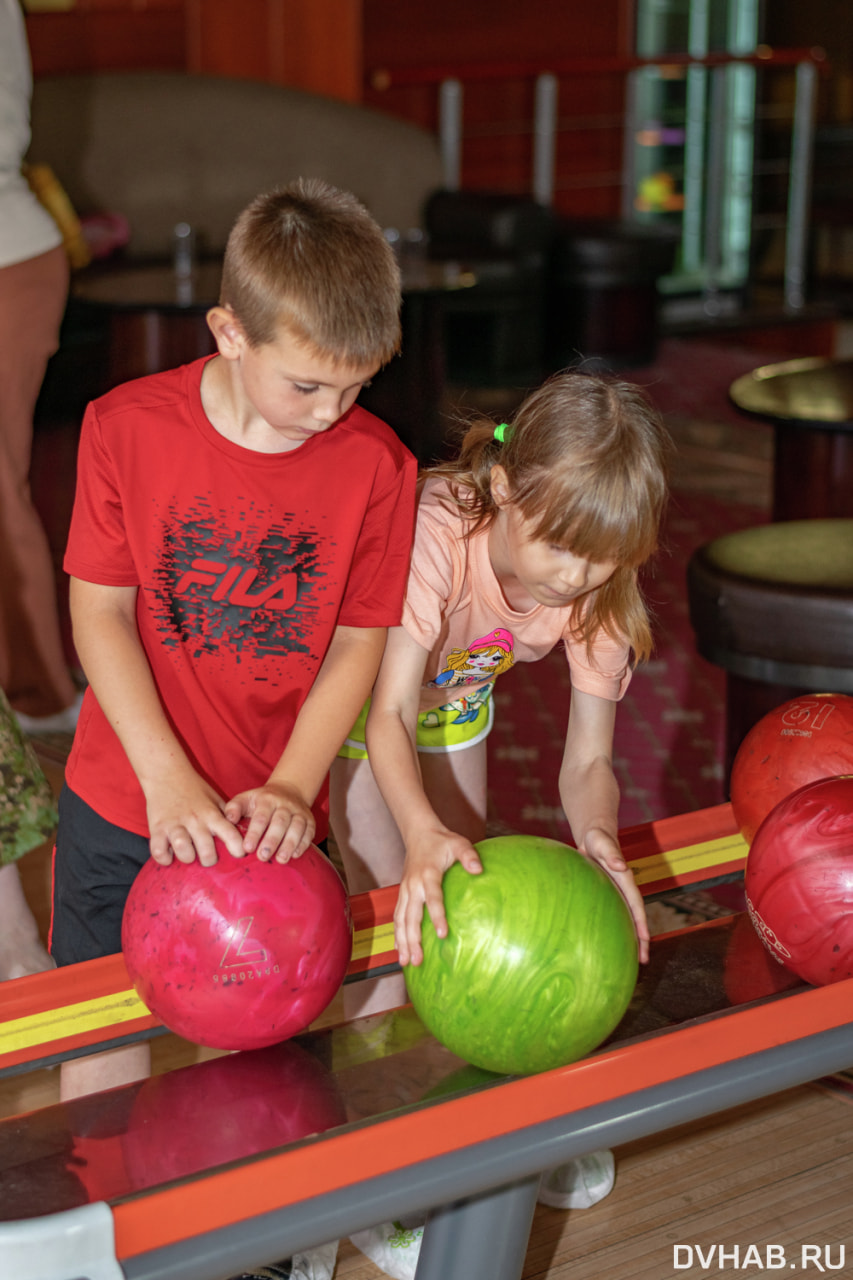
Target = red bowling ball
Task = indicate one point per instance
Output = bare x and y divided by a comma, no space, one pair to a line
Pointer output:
799,881
751,970
808,738
240,955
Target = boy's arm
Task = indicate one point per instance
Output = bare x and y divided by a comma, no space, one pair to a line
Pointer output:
184,812
280,820
590,795
431,848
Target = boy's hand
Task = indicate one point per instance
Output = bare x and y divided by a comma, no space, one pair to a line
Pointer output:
601,847
183,818
427,859
281,824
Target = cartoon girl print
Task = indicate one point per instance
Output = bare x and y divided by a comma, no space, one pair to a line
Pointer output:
490,655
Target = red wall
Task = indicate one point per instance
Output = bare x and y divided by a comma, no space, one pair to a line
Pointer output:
109,34
314,44
409,33
497,115
336,47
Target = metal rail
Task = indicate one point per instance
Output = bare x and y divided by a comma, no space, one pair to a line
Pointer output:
450,79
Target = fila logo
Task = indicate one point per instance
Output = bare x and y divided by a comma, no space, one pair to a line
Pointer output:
232,582
242,949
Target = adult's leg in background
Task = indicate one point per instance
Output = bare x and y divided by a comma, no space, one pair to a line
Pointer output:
33,666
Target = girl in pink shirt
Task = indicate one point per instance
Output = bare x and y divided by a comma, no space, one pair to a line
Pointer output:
532,537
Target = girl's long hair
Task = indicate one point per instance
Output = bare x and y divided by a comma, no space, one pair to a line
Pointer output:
586,458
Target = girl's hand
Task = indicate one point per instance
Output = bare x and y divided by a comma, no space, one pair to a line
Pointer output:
280,822
427,859
599,846
184,815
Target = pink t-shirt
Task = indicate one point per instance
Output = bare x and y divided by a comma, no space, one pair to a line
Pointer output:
455,608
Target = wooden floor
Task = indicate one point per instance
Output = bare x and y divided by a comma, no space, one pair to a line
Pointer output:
775,1173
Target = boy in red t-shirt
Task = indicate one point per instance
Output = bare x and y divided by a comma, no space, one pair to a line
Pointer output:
238,548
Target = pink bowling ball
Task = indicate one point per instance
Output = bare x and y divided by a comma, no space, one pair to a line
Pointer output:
240,955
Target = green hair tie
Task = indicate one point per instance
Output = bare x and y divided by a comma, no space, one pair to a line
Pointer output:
503,432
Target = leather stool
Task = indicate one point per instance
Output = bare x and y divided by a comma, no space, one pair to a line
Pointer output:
773,606
494,333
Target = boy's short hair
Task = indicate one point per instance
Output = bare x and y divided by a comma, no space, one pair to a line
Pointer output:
311,258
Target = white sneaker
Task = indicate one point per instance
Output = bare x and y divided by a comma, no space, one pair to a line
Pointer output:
64,721
314,1264
579,1184
392,1247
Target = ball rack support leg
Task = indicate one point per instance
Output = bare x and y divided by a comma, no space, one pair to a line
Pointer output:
482,1238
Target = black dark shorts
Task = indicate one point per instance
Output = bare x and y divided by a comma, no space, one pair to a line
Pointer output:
93,868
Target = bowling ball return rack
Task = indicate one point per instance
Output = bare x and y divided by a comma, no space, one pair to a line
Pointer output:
713,1024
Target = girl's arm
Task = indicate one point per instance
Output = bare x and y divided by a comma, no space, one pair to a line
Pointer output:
184,812
590,796
279,813
431,848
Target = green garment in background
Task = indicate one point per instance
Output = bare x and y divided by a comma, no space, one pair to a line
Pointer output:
27,804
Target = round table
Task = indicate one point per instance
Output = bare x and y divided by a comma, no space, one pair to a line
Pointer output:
810,404
157,321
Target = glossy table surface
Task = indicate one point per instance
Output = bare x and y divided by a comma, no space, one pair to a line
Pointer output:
157,320
810,405
155,286
812,392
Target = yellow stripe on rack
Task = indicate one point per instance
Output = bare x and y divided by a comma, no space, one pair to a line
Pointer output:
667,865
57,1024
51,1025
375,940
672,863
71,1020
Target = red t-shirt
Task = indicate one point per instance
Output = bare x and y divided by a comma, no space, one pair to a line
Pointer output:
245,562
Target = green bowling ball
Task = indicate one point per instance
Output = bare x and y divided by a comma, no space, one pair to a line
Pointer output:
539,964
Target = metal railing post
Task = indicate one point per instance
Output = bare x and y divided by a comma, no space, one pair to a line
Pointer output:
450,132
545,138
799,186
715,210
629,145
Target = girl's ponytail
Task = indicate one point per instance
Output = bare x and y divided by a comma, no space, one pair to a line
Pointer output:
469,474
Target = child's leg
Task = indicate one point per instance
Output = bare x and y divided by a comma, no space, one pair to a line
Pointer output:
370,844
94,866
79,1076
455,785
21,949
373,854
372,850
365,833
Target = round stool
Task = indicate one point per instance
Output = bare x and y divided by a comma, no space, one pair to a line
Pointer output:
773,606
